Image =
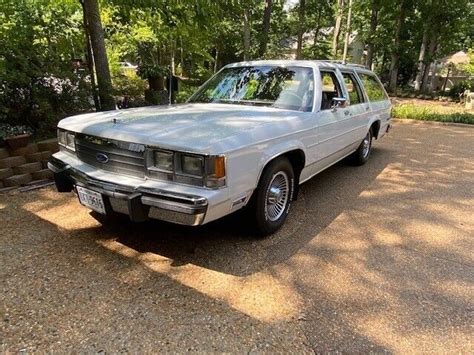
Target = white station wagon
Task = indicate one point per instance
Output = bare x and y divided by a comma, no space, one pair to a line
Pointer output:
248,137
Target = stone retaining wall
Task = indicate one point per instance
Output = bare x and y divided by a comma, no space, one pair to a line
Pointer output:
26,165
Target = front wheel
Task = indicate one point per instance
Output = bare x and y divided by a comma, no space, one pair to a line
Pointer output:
273,196
362,154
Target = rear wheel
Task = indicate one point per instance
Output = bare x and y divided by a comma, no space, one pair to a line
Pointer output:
362,154
273,196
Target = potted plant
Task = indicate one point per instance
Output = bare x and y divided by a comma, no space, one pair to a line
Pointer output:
15,136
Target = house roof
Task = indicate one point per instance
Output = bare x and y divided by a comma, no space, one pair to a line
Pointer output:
460,57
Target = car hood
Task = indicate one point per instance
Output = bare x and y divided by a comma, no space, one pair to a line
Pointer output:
203,128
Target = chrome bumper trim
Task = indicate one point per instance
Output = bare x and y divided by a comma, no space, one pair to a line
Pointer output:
160,204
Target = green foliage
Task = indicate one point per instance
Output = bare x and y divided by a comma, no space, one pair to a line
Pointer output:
414,112
7,130
458,89
129,87
185,92
319,17
40,38
38,41
147,70
469,67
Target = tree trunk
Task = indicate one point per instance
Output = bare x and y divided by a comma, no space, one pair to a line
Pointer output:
443,89
172,57
104,81
431,52
181,59
216,58
337,28
156,83
421,60
90,59
348,32
246,34
374,17
318,28
301,28
266,27
396,49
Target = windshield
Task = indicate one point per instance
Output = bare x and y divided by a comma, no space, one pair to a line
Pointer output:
281,87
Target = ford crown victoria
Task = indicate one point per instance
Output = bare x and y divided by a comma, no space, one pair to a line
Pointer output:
247,138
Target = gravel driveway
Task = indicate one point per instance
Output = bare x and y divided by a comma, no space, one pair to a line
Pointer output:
375,258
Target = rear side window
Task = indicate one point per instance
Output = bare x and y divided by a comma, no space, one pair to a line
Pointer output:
330,89
373,88
353,88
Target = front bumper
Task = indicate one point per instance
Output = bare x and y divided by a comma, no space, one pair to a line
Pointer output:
139,202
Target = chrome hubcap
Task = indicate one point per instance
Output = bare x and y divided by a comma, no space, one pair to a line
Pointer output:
366,145
277,196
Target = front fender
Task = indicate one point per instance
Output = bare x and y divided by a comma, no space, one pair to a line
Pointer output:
275,151
246,166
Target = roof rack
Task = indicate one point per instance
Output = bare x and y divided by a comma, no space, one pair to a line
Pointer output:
335,61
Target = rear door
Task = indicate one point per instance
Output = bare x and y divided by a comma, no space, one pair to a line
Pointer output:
378,101
357,105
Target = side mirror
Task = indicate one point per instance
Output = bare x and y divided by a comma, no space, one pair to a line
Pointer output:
337,102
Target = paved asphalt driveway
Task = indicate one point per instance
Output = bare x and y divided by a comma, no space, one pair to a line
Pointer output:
375,258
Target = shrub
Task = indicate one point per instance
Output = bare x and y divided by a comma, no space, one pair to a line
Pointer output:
185,91
129,86
426,114
7,130
43,102
459,88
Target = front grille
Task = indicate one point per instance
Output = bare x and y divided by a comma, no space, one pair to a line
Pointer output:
122,157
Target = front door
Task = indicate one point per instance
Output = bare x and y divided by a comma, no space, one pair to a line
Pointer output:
329,131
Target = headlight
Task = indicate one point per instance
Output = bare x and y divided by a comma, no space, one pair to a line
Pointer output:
192,165
70,141
62,137
163,160
185,168
66,139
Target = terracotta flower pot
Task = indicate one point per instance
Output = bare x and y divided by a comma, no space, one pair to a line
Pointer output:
16,142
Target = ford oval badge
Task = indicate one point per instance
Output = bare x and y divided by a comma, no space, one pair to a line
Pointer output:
102,158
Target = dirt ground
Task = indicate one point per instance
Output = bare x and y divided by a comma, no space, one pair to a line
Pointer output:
377,258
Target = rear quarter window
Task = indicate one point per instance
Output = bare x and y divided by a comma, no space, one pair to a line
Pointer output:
372,87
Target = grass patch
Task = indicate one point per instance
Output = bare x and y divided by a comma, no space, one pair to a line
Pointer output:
430,114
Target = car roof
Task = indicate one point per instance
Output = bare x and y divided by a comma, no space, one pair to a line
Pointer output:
304,63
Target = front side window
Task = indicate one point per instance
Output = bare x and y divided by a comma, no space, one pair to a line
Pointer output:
330,89
280,87
373,88
353,88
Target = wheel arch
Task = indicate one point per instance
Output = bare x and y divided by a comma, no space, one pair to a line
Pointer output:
375,128
297,158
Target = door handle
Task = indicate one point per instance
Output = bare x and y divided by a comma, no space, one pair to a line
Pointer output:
367,108
347,112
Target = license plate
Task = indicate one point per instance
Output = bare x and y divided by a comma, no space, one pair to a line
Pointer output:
91,199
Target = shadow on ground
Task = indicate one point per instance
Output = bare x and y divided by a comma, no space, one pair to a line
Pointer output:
374,258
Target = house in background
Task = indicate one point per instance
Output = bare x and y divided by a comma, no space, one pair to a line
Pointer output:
447,72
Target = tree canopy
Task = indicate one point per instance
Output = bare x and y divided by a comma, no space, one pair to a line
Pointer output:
46,71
